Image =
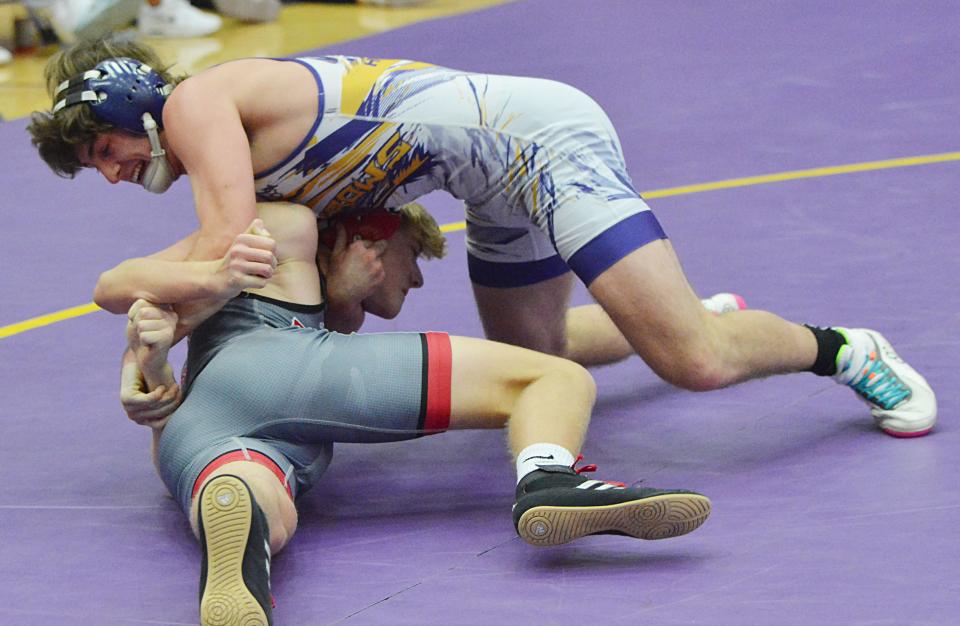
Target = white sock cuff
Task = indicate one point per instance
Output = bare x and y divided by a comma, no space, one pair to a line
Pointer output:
533,456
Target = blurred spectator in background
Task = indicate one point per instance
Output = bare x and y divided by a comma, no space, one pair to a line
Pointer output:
377,3
87,19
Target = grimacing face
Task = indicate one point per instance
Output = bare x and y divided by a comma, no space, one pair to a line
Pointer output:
402,273
120,156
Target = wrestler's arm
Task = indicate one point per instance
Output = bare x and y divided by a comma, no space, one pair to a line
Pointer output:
344,310
204,129
248,264
343,317
149,392
144,405
150,334
351,273
167,278
195,296
146,408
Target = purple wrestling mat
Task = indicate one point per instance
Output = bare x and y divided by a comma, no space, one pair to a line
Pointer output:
818,517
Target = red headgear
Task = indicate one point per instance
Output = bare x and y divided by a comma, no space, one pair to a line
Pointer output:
370,226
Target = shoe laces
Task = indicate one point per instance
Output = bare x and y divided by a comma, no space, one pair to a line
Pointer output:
590,467
878,384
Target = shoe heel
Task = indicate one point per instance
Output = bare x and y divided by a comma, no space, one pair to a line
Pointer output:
226,512
668,516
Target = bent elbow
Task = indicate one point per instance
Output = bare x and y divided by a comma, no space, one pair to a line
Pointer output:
106,297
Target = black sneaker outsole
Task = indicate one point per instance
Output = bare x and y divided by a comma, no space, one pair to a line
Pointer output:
226,511
656,517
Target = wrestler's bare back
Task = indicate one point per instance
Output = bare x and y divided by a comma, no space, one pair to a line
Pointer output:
296,278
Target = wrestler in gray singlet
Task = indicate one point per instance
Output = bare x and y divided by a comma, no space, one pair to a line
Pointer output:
264,377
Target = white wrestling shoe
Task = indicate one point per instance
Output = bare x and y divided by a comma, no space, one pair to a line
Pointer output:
901,401
721,303
176,18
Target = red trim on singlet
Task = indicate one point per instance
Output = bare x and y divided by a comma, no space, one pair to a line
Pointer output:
439,369
238,455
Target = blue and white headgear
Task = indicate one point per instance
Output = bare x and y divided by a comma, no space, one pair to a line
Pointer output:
129,95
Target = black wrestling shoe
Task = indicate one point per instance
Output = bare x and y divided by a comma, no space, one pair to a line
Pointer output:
555,504
235,573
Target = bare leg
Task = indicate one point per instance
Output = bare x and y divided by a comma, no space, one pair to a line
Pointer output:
536,317
533,316
547,400
543,399
649,299
593,339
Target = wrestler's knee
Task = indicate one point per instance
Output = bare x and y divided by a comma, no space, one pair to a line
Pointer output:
572,377
695,374
698,362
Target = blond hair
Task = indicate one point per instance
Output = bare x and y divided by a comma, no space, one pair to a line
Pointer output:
424,230
415,218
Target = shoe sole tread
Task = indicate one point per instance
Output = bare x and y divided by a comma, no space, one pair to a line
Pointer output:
656,517
226,599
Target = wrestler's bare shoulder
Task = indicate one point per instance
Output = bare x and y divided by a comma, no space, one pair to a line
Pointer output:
276,100
255,85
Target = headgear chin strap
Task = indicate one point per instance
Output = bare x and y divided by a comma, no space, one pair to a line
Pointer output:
129,95
158,176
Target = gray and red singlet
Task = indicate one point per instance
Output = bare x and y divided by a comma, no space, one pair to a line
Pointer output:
266,382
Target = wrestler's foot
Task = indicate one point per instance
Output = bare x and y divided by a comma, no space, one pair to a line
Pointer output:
721,303
555,504
901,401
235,574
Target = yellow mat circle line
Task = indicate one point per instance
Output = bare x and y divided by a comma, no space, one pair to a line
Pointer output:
816,172
46,320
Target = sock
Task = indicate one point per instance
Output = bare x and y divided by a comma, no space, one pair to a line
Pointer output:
532,457
829,343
